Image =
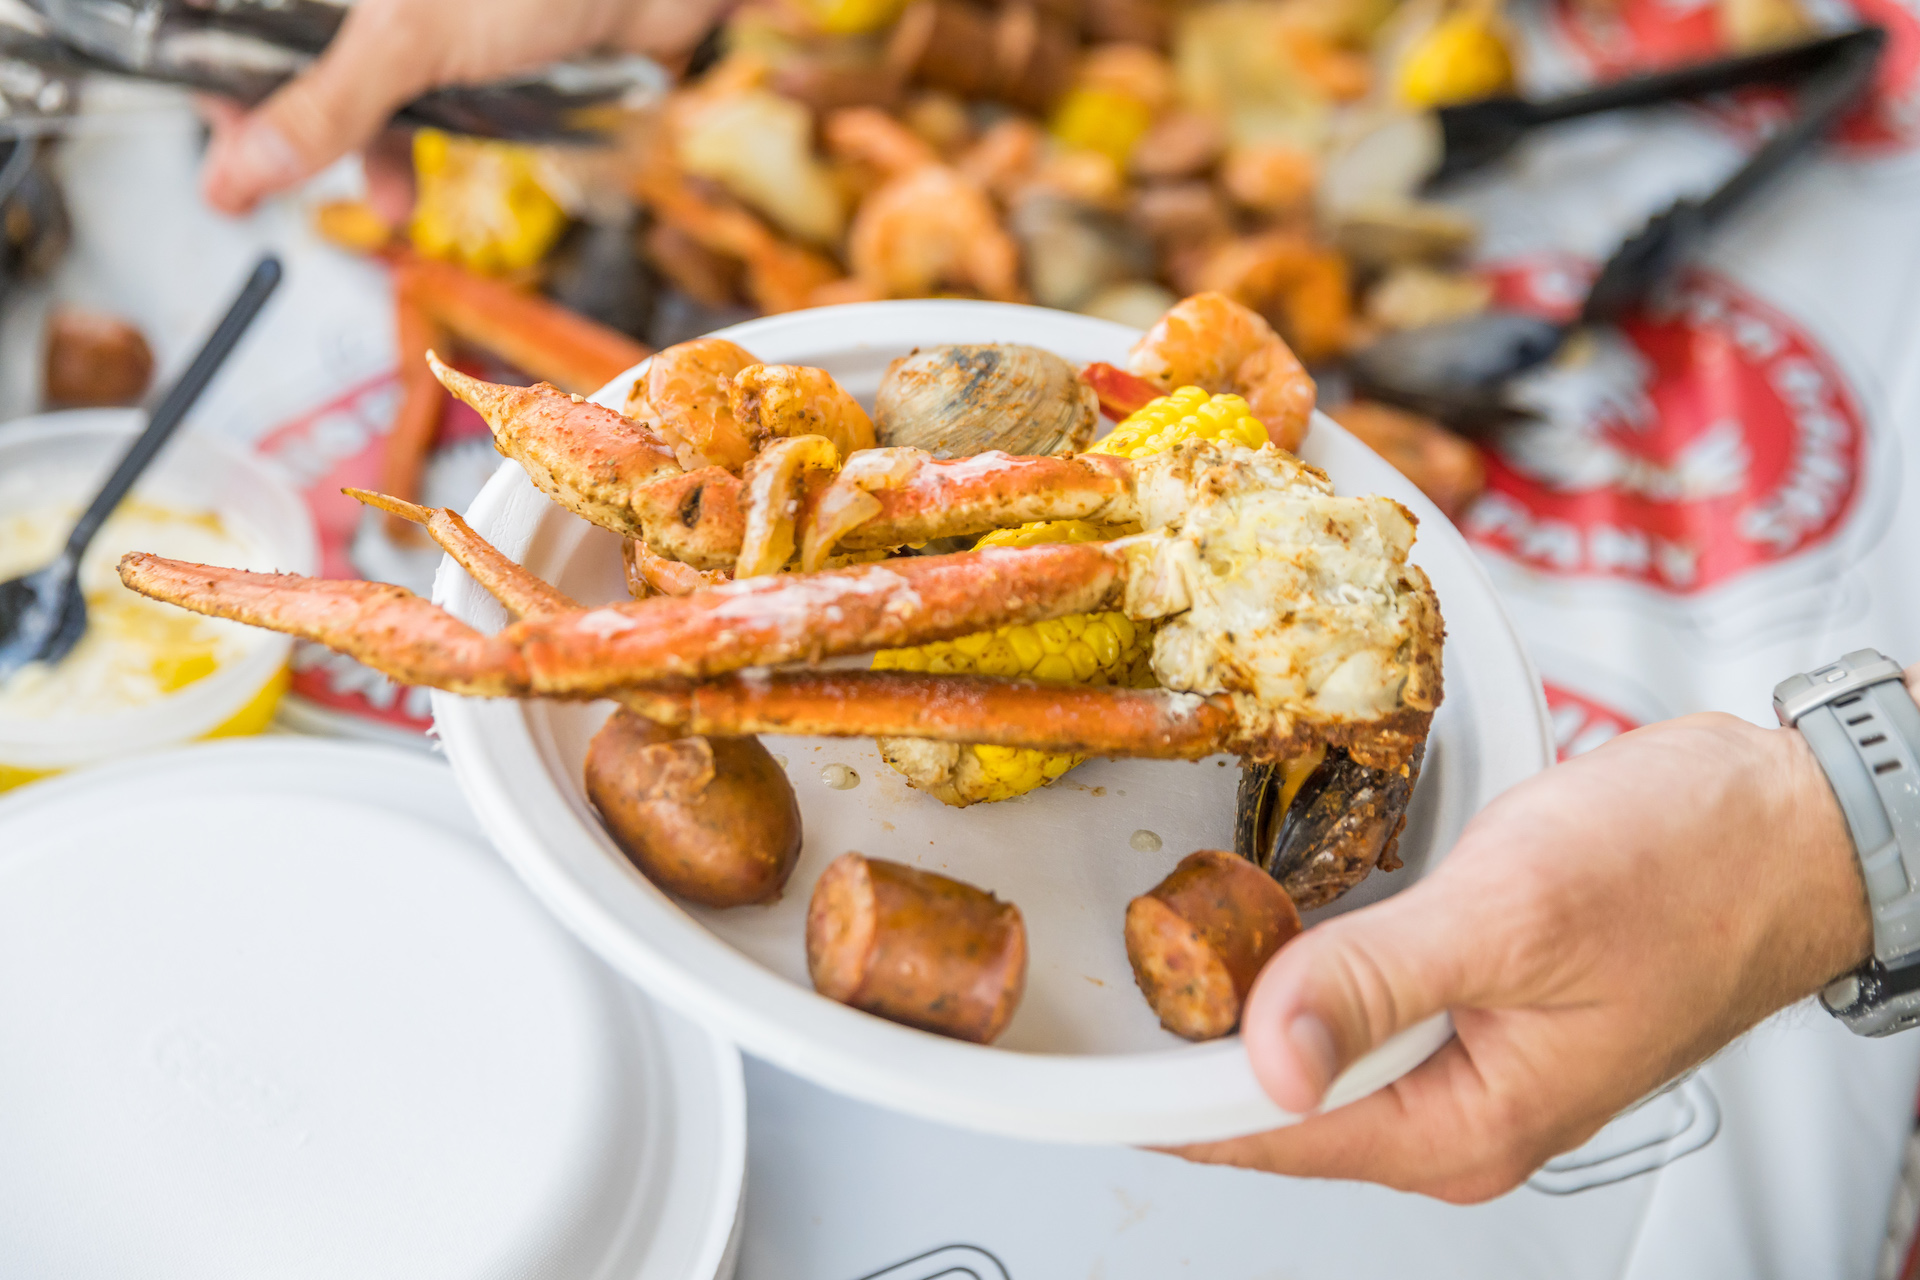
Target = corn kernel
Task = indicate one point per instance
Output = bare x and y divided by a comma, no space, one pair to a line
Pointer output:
1085,663
974,645
1054,636
1101,639
1053,766
1054,667
1026,647
999,659
946,663
1123,628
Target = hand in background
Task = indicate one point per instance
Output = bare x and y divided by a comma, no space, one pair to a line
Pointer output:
1597,930
391,51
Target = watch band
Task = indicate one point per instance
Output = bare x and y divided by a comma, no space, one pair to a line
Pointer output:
1865,731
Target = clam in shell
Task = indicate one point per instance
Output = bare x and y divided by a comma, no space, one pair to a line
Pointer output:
961,400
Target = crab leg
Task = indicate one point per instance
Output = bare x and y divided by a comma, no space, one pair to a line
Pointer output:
623,475
524,595
850,704
593,652
584,456
916,497
794,617
1151,723
386,627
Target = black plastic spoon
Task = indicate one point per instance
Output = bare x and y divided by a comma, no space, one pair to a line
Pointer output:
1457,371
44,614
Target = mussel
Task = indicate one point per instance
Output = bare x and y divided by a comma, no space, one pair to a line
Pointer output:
957,401
1321,835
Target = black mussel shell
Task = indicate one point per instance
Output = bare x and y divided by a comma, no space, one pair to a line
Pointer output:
1344,822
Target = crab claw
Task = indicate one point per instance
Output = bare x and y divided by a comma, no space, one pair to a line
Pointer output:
386,627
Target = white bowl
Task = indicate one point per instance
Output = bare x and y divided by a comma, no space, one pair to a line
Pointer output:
1084,1059
67,456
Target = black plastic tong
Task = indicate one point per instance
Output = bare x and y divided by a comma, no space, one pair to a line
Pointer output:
1458,371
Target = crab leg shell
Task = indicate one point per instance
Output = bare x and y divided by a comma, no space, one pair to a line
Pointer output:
595,652
793,617
524,595
1148,723
527,331
386,627
584,456
696,518
650,573
935,499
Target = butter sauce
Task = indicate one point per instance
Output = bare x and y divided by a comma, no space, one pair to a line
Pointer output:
135,651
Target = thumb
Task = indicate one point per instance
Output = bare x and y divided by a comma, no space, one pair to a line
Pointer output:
335,107
1346,985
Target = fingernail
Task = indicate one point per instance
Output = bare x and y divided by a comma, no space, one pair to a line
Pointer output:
1314,1044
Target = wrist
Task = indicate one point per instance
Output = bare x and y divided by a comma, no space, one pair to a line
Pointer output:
1829,897
1826,899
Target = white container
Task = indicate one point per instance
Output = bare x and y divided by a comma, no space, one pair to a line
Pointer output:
66,457
273,1008
1084,1059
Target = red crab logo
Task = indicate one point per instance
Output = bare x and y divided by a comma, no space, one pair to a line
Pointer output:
1698,441
1579,723
1636,35
340,444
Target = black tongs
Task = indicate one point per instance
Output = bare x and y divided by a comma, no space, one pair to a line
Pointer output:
245,49
1458,371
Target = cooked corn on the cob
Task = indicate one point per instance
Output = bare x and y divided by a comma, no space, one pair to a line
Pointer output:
1095,648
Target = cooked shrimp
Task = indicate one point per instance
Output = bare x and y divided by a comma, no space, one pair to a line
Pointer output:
1283,274
930,230
928,226
1005,156
780,400
781,275
688,394
869,136
1213,342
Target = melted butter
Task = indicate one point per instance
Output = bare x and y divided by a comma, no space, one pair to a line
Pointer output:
135,651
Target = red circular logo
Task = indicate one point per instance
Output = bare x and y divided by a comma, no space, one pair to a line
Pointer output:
1579,723
1639,35
1701,439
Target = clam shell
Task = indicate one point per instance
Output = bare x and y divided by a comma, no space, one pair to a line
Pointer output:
961,400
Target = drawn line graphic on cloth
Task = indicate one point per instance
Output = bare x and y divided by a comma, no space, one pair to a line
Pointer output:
340,443
948,1262
1674,1122
1702,440
1640,35
1581,723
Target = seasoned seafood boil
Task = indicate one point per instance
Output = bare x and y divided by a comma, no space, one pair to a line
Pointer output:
1276,620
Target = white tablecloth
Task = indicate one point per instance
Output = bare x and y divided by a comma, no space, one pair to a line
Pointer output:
1686,607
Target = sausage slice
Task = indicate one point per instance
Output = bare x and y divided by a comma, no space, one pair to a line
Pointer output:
916,948
1198,939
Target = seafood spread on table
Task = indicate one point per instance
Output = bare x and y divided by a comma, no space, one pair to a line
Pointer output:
1182,587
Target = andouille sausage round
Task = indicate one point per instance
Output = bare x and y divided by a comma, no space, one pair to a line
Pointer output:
1198,939
915,947
711,819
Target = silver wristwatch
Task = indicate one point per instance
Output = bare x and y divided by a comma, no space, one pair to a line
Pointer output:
1865,731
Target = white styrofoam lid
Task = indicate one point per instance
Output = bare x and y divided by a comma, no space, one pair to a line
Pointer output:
272,1008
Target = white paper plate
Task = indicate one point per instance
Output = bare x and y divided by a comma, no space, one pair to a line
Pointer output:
1084,1059
272,1008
